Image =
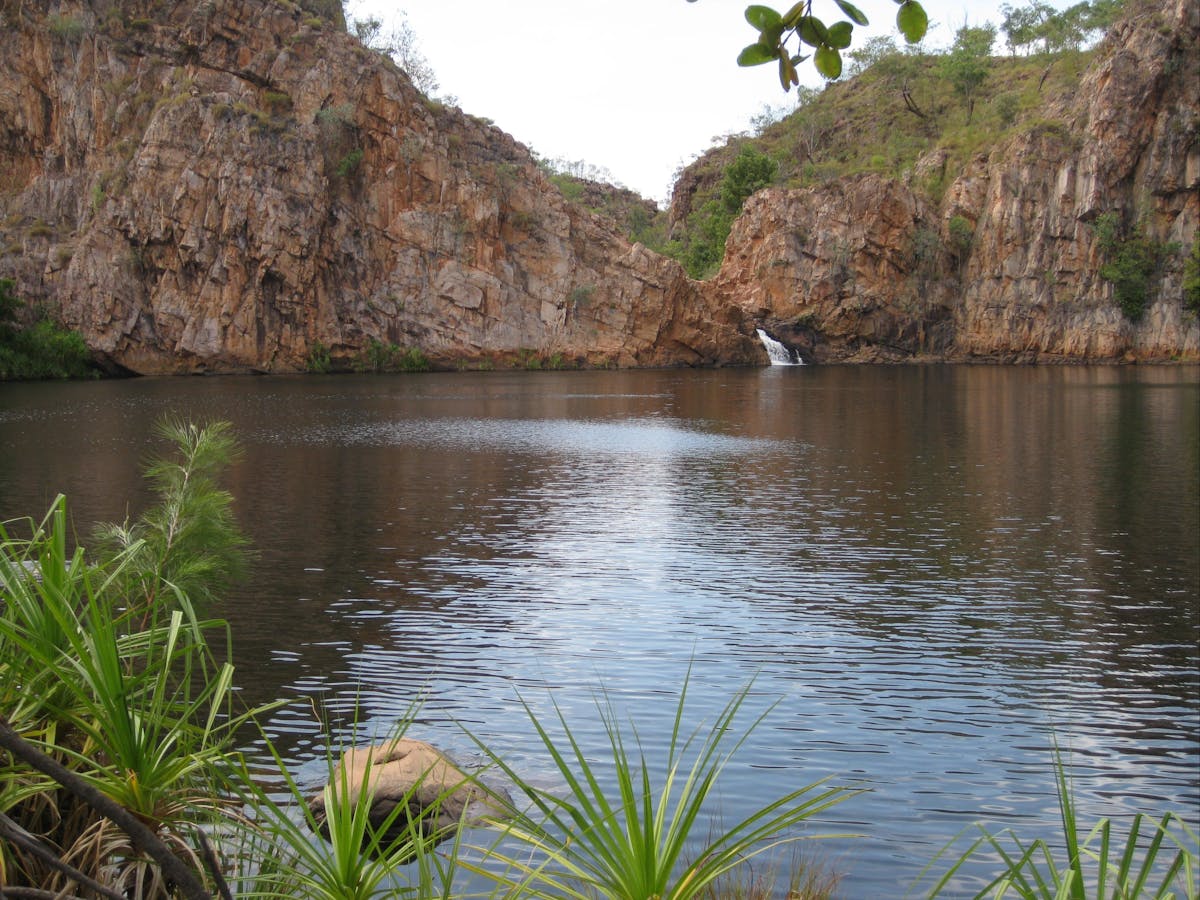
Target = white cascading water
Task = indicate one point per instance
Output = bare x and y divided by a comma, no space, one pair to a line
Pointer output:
779,354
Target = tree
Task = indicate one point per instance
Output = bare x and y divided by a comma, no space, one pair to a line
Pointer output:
1038,25
873,50
401,45
710,227
966,64
745,175
776,30
1022,25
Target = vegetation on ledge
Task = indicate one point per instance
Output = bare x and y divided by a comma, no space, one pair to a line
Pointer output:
910,114
39,350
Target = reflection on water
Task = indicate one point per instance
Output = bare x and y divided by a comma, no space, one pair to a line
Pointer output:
933,570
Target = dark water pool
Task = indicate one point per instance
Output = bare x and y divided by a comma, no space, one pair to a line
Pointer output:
934,571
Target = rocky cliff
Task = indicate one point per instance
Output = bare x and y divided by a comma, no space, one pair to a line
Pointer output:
235,185
1007,266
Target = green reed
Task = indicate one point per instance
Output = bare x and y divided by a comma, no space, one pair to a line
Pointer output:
639,840
1155,858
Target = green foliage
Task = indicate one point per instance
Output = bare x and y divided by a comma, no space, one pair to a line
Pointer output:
125,694
412,360
383,356
708,230
319,361
873,51
188,545
748,173
636,842
1038,26
962,235
326,10
824,43
705,247
40,351
358,859
69,28
277,102
1131,261
569,187
349,163
1007,107
965,66
1156,858
1191,278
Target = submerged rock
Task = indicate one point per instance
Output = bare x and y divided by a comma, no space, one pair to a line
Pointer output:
437,794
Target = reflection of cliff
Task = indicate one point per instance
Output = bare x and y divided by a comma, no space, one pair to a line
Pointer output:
1003,496
246,189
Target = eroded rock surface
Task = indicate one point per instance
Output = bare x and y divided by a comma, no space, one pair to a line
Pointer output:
233,190
864,270
236,186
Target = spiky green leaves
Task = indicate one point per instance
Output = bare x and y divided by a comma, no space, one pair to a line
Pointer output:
776,29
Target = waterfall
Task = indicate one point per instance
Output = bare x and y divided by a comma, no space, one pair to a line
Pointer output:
779,354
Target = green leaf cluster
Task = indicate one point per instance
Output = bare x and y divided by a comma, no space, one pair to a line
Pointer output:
634,842
814,38
707,231
349,163
319,360
384,356
1191,278
967,63
127,697
1039,27
1132,259
187,545
42,350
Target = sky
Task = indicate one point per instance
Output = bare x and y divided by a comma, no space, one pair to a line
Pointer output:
637,87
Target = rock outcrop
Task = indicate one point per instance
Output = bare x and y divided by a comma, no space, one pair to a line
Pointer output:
237,186
240,187
864,270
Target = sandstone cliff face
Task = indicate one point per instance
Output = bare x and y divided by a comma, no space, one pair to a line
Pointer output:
229,190
233,186
864,270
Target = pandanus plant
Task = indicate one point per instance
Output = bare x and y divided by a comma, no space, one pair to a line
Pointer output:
110,694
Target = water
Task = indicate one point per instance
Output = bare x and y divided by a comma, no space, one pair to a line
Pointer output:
777,352
934,571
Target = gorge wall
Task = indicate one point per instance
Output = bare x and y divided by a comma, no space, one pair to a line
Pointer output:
866,269
228,186
235,185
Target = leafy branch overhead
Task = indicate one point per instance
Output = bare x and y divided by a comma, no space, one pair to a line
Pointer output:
823,43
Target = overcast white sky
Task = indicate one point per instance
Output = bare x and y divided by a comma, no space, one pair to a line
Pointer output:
638,87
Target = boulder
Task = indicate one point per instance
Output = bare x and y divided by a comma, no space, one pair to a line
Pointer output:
437,794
